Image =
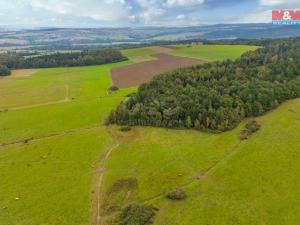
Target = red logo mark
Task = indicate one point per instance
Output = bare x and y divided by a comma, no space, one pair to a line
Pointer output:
286,15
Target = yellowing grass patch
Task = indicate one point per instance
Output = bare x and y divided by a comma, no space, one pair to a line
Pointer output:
23,73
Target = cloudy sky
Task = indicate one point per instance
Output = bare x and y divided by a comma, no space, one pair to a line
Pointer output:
118,13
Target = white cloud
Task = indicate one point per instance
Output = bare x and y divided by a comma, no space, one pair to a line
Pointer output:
164,12
258,17
169,3
284,3
184,3
263,12
102,10
181,17
151,17
97,12
147,4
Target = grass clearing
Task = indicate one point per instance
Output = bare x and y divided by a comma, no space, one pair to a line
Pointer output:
212,52
139,54
49,85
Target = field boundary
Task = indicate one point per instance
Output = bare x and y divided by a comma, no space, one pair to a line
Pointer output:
32,139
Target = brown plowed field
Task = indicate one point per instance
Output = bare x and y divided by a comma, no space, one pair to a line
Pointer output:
136,74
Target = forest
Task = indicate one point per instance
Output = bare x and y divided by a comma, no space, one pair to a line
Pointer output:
216,96
15,61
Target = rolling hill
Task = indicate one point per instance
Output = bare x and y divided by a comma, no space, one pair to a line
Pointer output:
70,38
61,164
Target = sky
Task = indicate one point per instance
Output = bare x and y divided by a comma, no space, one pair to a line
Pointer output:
135,13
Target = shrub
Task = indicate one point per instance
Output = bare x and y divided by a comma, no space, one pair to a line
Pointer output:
113,88
244,135
121,184
125,129
136,214
176,194
121,188
250,128
4,71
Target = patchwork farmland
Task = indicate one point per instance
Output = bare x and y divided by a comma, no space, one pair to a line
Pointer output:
152,61
60,164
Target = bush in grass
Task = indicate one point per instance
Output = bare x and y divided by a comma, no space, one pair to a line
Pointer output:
136,214
120,188
250,128
176,194
244,135
123,184
113,88
4,71
253,126
125,129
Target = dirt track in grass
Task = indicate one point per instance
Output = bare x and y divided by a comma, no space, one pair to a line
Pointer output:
136,74
100,171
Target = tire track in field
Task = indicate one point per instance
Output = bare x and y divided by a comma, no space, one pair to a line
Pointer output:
101,172
38,105
27,140
207,172
55,103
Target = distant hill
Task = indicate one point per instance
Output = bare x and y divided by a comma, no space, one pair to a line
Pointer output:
115,36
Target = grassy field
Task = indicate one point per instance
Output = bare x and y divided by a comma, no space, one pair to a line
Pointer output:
212,52
256,185
54,147
139,54
204,52
48,180
227,181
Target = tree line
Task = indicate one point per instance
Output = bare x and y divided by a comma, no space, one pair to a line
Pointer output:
128,45
13,60
217,96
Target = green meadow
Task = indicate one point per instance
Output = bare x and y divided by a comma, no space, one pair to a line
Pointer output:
139,54
54,146
227,181
212,52
48,180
